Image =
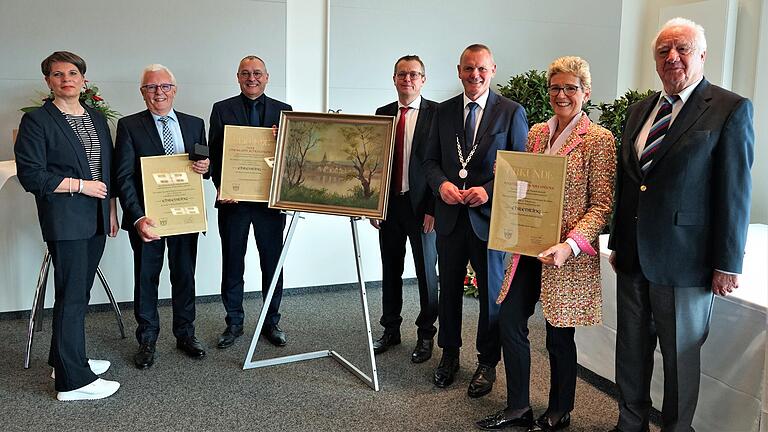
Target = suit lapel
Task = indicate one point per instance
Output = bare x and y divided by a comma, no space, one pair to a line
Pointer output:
237,109
422,127
576,136
151,130
186,132
631,130
490,115
72,139
694,107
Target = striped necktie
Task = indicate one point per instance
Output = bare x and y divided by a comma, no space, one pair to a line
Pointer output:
658,131
168,145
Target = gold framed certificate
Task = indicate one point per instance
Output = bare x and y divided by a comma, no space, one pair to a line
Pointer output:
527,210
246,163
173,195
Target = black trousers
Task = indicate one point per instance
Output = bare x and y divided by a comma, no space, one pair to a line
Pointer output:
517,308
235,220
74,267
403,225
454,251
147,265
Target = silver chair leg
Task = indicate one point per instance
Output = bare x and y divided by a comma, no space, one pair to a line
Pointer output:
37,306
118,315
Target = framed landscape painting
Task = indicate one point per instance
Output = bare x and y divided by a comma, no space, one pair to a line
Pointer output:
337,164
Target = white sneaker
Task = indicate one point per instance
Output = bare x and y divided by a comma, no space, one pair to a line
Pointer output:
97,366
98,389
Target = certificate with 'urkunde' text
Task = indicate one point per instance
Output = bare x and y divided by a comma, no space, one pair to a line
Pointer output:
246,174
527,209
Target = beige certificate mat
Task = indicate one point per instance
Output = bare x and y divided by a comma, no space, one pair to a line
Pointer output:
246,174
527,202
173,195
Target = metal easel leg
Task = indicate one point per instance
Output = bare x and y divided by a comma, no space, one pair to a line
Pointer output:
35,315
249,364
116,308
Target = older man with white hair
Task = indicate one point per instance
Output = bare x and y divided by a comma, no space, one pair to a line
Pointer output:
158,130
683,189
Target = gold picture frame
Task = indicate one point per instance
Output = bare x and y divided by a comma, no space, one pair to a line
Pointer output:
336,164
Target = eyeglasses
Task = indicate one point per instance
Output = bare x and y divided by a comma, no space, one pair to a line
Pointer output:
569,90
412,75
152,88
249,74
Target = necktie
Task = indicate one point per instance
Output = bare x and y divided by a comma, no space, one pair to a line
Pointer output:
397,169
255,119
469,126
658,131
167,136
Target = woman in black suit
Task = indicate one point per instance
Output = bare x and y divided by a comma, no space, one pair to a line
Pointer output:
63,156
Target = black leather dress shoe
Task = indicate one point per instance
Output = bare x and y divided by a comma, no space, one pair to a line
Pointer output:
274,334
387,340
145,357
231,333
544,423
191,346
482,381
446,371
500,420
423,351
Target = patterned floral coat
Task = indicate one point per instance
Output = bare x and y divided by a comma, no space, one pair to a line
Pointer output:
571,295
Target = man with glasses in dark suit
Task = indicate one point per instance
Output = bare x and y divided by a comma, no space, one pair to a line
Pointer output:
158,130
410,213
250,108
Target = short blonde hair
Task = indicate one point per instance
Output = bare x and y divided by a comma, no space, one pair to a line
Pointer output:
573,65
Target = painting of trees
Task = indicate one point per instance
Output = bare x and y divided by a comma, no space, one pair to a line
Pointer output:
304,137
362,145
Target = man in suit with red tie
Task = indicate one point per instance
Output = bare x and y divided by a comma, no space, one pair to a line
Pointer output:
410,213
683,190
250,108
158,130
466,132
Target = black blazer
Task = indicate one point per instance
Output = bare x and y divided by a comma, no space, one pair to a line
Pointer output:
422,200
47,151
137,136
232,112
503,127
689,213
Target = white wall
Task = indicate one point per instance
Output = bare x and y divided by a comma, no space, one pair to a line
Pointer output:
367,37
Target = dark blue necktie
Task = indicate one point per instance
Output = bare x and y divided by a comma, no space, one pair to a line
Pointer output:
255,119
469,126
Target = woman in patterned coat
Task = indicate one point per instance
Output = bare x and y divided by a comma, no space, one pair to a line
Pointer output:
566,276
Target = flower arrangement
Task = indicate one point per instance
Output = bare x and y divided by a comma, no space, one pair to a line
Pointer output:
89,96
470,283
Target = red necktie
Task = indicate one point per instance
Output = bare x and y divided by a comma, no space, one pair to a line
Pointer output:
397,169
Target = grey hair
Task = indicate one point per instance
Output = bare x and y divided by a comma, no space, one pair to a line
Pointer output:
699,39
154,67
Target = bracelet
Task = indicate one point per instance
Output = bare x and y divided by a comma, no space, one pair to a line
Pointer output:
70,186
82,183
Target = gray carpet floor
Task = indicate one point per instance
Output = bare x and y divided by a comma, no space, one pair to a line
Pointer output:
214,393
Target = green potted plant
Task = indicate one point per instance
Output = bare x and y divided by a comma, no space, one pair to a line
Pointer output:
613,115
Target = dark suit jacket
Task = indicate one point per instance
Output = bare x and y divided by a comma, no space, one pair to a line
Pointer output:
503,127
137,137
232,112
422,200
689,213
47,151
